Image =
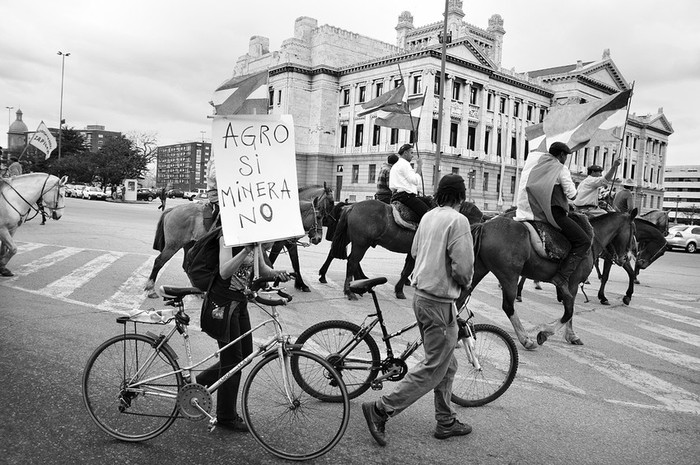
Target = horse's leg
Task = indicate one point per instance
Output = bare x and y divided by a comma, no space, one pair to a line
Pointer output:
597,268
630,284
8,249
159,263
509,289
356,254
607,265
519,294
293,252
324,268
636,273
408,266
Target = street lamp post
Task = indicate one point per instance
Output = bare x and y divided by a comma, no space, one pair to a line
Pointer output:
60,111
678,199
9,112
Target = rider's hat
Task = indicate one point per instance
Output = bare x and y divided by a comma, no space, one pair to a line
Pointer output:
595,168
557,147
629,182
405,147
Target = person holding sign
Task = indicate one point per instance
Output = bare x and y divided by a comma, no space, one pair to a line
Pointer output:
226,304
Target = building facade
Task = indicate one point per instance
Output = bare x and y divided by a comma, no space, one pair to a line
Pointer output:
184,165
95,136
682,194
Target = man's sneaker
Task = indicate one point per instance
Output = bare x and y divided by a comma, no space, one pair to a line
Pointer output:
375,422
455,429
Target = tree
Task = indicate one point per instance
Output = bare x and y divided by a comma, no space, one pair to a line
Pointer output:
145,143
118,159
74,161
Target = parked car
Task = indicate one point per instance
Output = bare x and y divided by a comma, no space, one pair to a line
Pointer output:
92,192
684,237
74,190
144,193
173,193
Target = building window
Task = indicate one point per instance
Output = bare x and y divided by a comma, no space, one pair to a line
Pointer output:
355,174
376,132
471,176
411,137
471,137
434,131
279,97
455,170
486,141
346,96
498,144
512,184
397,82
343,136
529,113
498,183
359,133
456,88
371,179
437,85
394,139
378,89
473,95
489,101
502,105
513,148
271,100
634,143
516,109
453,134
486,182
362,93
543,111
417,84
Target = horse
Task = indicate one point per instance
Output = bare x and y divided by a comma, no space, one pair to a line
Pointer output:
306,193
370,223
502,246
21,196
651,244
178,227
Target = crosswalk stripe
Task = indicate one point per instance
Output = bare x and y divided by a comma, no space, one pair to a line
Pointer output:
76,279
669,303
43,262
130,294
28,247
671,316
667,332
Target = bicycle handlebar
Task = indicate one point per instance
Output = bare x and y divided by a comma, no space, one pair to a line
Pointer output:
257,285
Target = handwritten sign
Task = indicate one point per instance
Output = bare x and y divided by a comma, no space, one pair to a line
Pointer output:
256,177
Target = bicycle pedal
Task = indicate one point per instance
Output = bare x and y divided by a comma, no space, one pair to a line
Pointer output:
377,386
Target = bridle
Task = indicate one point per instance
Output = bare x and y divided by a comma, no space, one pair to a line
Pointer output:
656,255
315,227
39,209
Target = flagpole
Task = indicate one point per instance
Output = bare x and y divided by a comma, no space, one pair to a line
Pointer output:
438,139
413,128
619,151
29,142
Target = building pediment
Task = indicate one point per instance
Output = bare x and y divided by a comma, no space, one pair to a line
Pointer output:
661,123
605,72
465,49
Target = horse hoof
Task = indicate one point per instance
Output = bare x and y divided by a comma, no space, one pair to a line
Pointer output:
577,342
530,344
351,296
518,298
401,295
541,338
538,287
322,280
5,272
304,289
153,295
605,302
636,281
626,300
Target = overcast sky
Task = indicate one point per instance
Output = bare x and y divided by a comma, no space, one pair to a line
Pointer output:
152,65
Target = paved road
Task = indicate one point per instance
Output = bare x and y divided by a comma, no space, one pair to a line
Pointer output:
630,395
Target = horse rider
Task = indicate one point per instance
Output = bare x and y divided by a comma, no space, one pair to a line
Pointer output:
586,199
383,192
15,168
543,194
624,200
404,181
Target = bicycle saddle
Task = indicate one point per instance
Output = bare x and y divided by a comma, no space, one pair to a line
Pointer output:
360,286
172,291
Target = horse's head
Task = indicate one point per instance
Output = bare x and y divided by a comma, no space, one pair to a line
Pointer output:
651,243
53,196
312,219
324,203
623,243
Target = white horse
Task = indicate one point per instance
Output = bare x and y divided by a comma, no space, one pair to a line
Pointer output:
21,199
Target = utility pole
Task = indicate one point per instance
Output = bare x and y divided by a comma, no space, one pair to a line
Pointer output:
444,39
60,111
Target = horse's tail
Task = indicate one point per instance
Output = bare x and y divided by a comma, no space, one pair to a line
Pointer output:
477,232
341,238
159,240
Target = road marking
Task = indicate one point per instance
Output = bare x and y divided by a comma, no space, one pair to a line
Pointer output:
130,294
665,331
671,316
80,276
668,303
28,247
44,262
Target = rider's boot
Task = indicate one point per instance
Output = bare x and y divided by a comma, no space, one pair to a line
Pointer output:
561,279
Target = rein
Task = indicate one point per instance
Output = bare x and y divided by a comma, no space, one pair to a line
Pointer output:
39,209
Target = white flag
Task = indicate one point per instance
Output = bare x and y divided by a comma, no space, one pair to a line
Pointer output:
44,140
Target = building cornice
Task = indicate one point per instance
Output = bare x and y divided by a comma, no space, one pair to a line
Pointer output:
641,125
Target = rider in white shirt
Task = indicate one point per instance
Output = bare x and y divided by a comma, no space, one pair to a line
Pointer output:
404,181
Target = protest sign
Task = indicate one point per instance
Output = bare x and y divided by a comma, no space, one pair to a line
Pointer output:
256,178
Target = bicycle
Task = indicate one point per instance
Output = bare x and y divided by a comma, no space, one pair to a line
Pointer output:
134,388
487,364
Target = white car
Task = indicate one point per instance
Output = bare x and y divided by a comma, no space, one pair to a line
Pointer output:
92,192
684,237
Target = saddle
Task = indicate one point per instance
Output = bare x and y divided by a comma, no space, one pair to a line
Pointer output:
404,216
551,244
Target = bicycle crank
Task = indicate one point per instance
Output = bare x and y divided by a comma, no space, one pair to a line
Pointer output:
195,402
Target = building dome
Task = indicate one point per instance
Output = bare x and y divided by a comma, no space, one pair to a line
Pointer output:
18,127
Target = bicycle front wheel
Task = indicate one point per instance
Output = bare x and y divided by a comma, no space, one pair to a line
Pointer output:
498,356
284,417
114,396
361,364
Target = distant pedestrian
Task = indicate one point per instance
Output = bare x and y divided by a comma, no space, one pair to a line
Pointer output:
443,250
163,195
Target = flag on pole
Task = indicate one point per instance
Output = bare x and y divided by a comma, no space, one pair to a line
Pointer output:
242,95
44,140
388,99
405,115
577,125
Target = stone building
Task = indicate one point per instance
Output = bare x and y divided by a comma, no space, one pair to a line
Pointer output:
323,74
184,165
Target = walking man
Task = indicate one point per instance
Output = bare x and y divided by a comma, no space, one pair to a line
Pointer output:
443,250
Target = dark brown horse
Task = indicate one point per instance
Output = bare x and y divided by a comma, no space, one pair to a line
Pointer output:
651,244
502,247
371,223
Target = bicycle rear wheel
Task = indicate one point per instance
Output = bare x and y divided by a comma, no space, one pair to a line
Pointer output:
298,427
498,357
359,368
120,407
